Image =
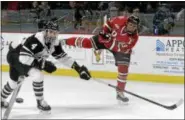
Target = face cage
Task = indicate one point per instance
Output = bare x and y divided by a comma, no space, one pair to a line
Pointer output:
49,39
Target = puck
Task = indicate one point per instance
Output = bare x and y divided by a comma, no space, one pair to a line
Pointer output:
19,100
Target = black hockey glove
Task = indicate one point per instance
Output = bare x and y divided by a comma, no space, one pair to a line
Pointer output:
105,35
46,66
82,71
49,67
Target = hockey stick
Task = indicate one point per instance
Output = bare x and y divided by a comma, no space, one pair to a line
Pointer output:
61,17
13,98
171,107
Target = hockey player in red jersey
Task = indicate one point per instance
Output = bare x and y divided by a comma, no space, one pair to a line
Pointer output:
119,35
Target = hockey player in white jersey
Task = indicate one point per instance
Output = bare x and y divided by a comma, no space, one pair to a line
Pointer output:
29,59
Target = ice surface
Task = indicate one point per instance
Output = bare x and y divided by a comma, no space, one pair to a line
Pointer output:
73,98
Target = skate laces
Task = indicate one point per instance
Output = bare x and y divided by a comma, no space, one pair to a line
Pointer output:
44,103
121,94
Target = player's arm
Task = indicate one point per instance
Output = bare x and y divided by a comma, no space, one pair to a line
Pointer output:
60,55
107,29
107,26
30,47
105,34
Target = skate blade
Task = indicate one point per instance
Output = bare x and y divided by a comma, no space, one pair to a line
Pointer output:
121,103
45,112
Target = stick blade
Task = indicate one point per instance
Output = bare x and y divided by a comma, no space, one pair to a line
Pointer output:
172,107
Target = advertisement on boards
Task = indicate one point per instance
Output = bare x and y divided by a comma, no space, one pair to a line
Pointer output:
170,56
97,57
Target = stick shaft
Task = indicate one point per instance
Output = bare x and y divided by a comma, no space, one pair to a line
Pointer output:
143,98
11,103
13,98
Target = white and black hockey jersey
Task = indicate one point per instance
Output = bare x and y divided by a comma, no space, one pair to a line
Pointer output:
34,47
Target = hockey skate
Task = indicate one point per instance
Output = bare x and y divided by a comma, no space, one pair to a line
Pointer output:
43,106
122,99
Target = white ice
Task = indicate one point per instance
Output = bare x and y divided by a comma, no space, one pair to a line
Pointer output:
73,98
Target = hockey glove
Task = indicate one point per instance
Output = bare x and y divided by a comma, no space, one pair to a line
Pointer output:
82,71
46,66
49,67
105,37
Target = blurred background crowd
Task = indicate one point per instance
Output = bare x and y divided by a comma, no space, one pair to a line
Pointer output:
157,18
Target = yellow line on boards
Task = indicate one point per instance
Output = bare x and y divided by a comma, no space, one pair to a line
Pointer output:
113,75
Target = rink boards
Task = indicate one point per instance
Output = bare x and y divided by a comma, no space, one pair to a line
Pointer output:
154,58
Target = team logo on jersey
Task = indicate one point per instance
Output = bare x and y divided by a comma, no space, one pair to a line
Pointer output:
117,26
33,46
114,33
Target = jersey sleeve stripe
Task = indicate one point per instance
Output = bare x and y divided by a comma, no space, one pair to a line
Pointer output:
60,56
25,53
27,49
106,25
25,59
113,44
93,43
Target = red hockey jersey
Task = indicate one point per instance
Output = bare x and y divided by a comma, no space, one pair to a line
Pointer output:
120,40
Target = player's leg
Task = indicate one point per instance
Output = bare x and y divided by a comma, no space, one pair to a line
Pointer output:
82,42
79,42
9,87
38,87
12,83
122,62
121,82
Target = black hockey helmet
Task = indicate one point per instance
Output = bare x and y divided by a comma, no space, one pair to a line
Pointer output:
133,19
52,26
